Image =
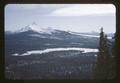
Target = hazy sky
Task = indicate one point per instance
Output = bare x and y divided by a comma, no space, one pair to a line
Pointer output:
73,17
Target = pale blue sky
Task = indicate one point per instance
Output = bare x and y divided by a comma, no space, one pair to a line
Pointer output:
73,17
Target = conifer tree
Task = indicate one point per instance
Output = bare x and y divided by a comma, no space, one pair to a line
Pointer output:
112,60
102,69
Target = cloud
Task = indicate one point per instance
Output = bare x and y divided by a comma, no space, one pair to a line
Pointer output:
67,9
34,6
29,6
84,9
22,6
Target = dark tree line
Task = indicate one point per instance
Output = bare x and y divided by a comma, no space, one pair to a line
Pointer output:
105,65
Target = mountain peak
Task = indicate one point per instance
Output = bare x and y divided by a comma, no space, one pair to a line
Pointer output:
34,27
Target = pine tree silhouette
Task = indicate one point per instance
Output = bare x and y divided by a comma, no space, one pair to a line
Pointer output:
102,67
112,66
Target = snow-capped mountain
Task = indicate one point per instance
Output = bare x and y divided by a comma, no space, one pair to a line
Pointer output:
49,37
32,37
50,31
34,27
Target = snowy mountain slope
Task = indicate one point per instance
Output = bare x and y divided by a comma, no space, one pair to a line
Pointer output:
90,34
34,27
32,38
53,33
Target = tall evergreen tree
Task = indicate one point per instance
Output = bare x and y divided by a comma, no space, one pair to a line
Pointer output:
112,66
103,58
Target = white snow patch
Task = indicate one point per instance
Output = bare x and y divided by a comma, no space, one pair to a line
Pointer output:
85,50
86,35
89,35
109,37
36,28
95,55
16,54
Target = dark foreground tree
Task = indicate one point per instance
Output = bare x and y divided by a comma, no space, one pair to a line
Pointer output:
112,66
104,64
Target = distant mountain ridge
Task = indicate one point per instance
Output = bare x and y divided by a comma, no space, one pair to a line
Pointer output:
35,28
29,38
32,38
